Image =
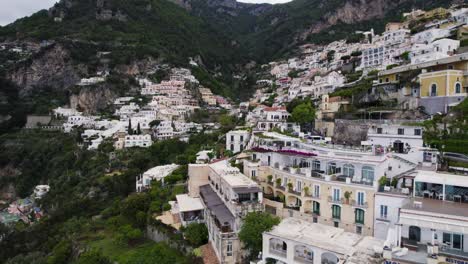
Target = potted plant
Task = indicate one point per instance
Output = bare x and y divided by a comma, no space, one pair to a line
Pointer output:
290,186
347,195
270,178
306,190
278,182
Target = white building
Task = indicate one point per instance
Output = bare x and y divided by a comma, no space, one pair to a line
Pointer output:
399,137
438,49
157,173
227,196
237,140
433,221
40,191
428,36
189,209
66,112
142,141
123,100
298,241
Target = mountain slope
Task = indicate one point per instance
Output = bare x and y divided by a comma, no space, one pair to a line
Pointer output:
139,28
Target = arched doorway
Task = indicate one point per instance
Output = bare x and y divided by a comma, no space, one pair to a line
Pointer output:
398,146
414,234
329,258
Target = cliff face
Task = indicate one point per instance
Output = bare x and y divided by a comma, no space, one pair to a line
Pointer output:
91,100
51,67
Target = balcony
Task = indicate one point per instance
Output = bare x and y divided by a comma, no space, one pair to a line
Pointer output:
364,205
295,192
336,201
303,259
278,251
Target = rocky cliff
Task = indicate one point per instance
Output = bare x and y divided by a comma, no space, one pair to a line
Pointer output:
51,67
93,99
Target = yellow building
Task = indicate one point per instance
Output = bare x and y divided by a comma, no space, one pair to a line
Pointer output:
442,83
320,198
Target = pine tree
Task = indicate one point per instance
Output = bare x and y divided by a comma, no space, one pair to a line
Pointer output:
130,130
138,129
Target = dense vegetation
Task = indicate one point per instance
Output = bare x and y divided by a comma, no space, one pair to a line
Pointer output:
91,205
252,229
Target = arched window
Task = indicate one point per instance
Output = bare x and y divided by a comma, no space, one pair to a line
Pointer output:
434,89
359,216
457,88
329,258
348,170
368,174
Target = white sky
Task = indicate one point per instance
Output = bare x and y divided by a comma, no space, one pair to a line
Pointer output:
263,1
10,10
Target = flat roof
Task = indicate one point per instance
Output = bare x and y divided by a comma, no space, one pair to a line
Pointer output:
188,204
437,206
232,175
441,178
422,65
317,235
161,171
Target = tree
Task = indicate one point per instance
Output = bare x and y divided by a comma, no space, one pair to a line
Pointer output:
130,130
303,113
254,225
127,234
138,129
196,234
93,257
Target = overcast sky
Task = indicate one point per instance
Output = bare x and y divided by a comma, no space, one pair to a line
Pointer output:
10,10
262,1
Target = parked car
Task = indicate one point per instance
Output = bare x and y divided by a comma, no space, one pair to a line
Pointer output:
456,156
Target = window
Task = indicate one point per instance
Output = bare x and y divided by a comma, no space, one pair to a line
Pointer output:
336,224
332,169
433,90
383,211
457,88
455,241
316,208
368,174
336,195
241,138
254,173
401,131
360,198
316,190
298,186
232,147
359,216
244,197
379,130
232,138
348,170
417,132
241,147
316,165
336,211
359,230
229,248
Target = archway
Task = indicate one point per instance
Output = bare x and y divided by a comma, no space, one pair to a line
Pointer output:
329,258
303,254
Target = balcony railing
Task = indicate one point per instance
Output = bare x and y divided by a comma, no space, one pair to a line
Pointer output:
336,201
298,193
354,203
278,252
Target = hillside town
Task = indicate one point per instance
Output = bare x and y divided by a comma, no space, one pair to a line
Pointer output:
366,190
341,143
